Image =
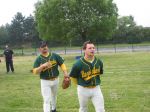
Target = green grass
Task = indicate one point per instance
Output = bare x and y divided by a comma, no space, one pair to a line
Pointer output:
125,85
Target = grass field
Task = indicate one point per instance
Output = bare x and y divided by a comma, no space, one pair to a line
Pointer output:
125,85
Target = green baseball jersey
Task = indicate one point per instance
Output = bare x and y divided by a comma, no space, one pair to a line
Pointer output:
55,60
87,73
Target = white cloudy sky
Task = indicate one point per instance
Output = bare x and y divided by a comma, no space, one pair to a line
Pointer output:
139,9
9,8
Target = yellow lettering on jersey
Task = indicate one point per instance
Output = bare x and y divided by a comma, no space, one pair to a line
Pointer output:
88,75
53,62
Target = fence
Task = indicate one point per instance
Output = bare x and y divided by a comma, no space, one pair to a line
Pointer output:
110,48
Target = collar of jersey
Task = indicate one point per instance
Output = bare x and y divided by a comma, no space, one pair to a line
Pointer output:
45,55
90,61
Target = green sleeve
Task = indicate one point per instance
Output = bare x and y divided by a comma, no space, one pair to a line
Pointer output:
59,59
75,71
36,63
101,67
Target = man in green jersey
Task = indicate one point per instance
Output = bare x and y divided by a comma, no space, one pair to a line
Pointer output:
46,64
86,74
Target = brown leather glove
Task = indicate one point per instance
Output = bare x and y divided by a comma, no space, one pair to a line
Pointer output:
46,66
66,82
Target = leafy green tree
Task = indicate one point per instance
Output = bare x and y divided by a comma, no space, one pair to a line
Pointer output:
67,19
146,34
125,29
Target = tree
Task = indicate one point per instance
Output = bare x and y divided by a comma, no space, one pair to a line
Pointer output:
66,19
30,32
125,28
16,29
4,37
146,33
22,29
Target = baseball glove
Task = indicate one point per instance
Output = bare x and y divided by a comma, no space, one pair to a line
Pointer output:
66,82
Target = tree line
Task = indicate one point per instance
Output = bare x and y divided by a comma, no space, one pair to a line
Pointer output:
62,22
20,31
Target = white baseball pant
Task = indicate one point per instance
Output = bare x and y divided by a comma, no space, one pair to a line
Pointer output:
49,93
95,94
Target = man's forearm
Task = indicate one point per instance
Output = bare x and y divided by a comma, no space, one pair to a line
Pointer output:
64,69
38,70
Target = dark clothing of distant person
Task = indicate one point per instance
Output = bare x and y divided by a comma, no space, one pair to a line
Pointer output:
8,58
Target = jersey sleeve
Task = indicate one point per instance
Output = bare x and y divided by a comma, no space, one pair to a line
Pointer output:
36,63
101,67
59,60
74,71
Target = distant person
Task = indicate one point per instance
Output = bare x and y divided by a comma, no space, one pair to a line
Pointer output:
86,73
8,54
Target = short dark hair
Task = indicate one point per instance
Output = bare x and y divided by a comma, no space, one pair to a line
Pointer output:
85,43
43,44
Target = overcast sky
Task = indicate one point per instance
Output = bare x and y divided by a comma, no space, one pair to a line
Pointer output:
9,8
139,9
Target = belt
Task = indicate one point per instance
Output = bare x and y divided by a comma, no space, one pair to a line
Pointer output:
51,78
89,86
